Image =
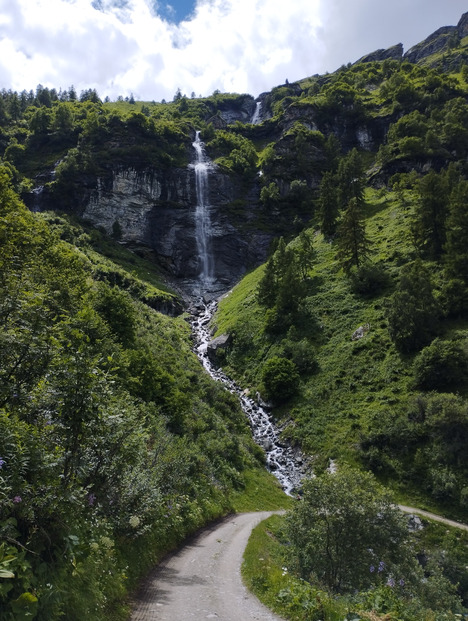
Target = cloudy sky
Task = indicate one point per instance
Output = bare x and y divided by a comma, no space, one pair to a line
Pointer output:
153,47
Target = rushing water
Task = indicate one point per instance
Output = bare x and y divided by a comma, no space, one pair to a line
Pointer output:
256,115
202,166
286,463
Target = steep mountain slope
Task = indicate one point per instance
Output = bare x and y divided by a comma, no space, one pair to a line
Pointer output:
114,444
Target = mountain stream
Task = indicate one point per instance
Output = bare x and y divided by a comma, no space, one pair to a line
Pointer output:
286,463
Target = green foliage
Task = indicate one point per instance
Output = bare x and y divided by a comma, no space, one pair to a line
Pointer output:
341,529
430,215
268,573
368,279
234,152
280,378
441,366
114,444
352,241
456,256
412,310
328,204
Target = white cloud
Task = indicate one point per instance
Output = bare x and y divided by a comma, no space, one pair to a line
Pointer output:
123,46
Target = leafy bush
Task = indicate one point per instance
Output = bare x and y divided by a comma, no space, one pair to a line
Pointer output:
341,530
368,279
412,311
440,366
280,378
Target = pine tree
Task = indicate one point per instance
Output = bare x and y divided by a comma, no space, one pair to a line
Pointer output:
350,179
305,254
456,247
328,204
353,244
429,227
267,287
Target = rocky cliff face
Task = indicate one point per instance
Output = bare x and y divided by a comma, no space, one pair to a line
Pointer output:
392,53
157,210
438,41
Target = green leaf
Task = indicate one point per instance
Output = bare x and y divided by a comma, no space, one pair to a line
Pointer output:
6,573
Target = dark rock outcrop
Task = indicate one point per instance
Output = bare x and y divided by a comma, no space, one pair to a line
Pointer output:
156,209
436,42
392,53
462,26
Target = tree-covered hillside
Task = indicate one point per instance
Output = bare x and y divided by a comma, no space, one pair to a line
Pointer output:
114,444
356,329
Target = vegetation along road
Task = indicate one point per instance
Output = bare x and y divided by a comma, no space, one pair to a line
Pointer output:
433,516
202,580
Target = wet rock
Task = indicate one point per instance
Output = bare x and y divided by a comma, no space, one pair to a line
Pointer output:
219,343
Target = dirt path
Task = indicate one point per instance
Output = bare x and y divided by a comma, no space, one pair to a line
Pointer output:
202,580
433,516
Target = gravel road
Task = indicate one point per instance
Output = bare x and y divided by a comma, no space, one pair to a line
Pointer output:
202,580
433,516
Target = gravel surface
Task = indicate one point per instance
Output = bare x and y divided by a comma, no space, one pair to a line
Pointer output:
433,516
202,580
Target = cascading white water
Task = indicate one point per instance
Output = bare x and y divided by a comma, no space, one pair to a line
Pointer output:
256,115
287,464
202,166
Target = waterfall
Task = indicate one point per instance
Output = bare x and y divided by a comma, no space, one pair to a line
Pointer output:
256,115
202,166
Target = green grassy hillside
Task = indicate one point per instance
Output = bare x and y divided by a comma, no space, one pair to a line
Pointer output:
357,398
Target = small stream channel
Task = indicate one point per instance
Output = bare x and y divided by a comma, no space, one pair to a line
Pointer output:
286,463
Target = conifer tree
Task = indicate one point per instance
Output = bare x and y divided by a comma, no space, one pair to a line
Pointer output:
305,254
350,179
430,215
328,204
413,311
267,287
353,244
456,247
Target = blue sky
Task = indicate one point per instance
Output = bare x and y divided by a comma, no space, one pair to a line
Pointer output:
151,48
177,10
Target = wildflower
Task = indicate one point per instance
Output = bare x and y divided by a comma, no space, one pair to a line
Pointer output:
381,566
2,462
106,542
391,582
91,499
372,569
17,499
134,521
401,582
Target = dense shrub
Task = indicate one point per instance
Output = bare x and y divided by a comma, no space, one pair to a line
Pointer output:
440,366
280,378
368,279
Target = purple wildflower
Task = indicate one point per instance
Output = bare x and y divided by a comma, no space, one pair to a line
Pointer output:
17,499
91,499
372,569
381,566
2,462
401,582
391,582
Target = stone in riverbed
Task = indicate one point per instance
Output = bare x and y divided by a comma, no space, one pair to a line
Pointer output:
219,343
